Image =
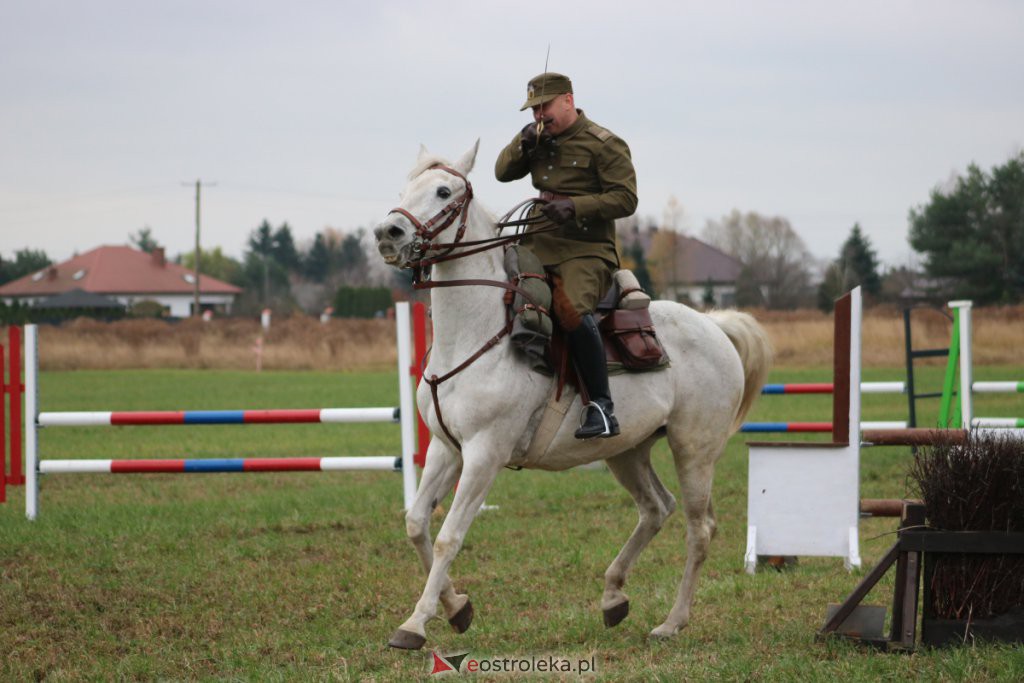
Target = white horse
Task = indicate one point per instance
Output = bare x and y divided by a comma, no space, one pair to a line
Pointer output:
492,407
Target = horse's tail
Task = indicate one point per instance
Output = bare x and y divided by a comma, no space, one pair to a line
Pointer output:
751,342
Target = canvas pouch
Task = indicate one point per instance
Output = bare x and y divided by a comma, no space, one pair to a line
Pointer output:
531,326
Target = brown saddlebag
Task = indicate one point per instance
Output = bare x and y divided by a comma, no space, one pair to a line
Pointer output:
631,335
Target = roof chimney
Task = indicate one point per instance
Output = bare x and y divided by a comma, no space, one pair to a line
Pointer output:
51,273
158,257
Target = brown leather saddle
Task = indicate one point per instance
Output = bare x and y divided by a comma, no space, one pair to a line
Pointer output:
630,342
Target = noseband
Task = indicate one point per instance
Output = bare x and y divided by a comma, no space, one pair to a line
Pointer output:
458,208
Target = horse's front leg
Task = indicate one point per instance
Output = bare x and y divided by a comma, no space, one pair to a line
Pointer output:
439,475
479,470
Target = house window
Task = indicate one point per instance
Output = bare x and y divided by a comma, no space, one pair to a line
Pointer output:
79,275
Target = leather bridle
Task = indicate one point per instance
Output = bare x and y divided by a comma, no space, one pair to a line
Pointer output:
458,209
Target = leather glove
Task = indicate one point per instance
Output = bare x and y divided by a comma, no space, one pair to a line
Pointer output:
560,210
530,139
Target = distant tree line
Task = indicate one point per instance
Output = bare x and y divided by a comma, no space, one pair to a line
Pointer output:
970,234
274,272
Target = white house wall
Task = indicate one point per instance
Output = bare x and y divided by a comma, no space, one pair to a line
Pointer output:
725,295
180,305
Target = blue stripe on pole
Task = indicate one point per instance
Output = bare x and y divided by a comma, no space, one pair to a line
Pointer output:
773,389
215,465
765,427
214,417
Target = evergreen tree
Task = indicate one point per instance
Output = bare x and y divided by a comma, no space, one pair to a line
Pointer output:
283,248
351,254
261,240
318,261
857,265
25,261
260,267
860,261
144,240
973,233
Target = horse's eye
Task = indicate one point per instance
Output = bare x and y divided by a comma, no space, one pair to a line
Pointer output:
443,192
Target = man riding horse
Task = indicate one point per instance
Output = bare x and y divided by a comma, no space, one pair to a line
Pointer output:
586,175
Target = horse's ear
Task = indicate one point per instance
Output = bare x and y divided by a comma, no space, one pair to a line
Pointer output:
423,153
465,163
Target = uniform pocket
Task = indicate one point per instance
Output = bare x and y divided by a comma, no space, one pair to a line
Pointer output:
571,161
586,230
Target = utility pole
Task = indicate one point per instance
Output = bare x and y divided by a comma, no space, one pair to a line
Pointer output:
195,271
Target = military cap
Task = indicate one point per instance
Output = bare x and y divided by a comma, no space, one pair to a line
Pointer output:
544,88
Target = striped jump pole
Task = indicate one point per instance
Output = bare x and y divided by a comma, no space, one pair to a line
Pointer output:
404,415
219,417
208,465
827,388
810,427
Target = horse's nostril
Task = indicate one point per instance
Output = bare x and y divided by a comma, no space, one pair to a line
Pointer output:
394,232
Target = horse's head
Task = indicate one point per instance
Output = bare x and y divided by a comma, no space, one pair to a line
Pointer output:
436,199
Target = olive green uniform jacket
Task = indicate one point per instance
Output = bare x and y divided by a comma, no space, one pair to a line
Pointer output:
591,165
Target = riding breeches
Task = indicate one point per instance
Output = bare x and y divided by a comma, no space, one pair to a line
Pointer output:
579,285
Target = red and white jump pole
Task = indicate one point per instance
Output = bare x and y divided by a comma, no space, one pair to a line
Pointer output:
405,415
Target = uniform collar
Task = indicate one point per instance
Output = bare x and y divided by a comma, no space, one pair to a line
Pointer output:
575,128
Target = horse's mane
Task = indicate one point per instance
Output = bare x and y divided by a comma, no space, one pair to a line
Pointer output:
426,162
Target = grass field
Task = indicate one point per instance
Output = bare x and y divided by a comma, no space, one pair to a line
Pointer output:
304,576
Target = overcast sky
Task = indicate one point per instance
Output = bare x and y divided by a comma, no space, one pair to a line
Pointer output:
826,113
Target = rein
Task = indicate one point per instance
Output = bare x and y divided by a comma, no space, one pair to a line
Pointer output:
434,381
458,209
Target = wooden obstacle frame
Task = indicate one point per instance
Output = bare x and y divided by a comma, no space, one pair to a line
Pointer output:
914,555
803,497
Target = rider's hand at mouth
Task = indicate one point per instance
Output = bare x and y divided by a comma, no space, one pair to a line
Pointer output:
530,138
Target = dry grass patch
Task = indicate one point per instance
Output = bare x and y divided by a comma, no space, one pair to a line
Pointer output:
801,338
804,337
296,343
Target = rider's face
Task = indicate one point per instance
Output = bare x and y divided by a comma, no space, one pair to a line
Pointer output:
558,114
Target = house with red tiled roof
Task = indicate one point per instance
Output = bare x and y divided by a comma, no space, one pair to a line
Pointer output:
126,275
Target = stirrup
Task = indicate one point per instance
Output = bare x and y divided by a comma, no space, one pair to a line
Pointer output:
611,426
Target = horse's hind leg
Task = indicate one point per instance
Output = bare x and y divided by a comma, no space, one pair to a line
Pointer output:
439,476
695,467
654,504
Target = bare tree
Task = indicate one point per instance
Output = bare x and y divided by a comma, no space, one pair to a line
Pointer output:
777,264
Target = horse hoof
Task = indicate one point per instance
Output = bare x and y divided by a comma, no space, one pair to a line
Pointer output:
613,616
463,618
406,640
659,634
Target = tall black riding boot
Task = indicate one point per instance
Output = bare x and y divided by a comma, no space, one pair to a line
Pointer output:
588,350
